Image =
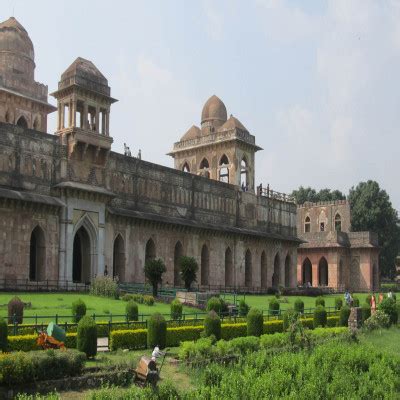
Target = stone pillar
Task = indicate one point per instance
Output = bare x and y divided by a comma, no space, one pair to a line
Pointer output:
85,116
97,119
108,123
73,110
59,116
62,115
103,123
355,319
315,276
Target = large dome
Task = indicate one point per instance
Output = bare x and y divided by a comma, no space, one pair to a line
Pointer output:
214,109
15,39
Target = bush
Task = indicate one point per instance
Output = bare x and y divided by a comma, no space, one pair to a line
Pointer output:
299,306
368,299
212,325
288,317
104,286
78,310
127,297
274,307
195,351
255,322
332,322
338,303
319,301
138,298
344,315
378,320
320,316
388,306
156,331
243,308
356,301
214,304
176,309
365,312
3,334
275,340
182,334
231,331
132,311
132,340
15,311
87,337
273,326
244,345
148,300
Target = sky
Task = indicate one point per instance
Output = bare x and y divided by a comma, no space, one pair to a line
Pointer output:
316,82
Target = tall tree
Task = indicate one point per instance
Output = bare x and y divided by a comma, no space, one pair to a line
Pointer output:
188,270
153,270
303,195
371,210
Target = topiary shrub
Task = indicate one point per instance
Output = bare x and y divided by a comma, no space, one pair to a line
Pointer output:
338,303
365,312
176,309
86,340
299,306
3,334
156,331
132,311
274,307
15,311
214,304
320,316
289,317
243,308
344,315
255,322
212,325
388,306
356,302
319,301
78,310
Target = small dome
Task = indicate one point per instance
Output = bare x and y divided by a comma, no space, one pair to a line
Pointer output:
232,123
193,133
15,39
214,109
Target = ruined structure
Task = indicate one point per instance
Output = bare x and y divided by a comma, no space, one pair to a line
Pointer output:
333,255
71,208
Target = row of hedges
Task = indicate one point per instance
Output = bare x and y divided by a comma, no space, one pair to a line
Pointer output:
28,342
137,339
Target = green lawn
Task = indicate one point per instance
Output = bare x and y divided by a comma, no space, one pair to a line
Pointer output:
46,305
386,340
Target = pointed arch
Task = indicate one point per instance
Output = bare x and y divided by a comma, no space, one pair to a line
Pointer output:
307,224
178,253
307,272
223,169
119,258
264,270
338,223
150,252
287,271
275,275
205,265
22,122
37,255
323,277
204,164
244,178
185,167
229,278
248,269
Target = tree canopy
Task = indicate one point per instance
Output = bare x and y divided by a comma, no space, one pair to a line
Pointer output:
153,270
188,270
303,195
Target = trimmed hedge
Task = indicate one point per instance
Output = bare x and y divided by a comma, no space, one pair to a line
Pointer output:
214,304
28,342
156,331
185,333
132,311
136,339
3,334
212,325
78,310
338,303
243,308
274,306
255,322
299,306
319,301
231,331
15,310
344,315
273,326
176,309
320,316
87,337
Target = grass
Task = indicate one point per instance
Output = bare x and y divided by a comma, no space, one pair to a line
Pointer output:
47,305
386,340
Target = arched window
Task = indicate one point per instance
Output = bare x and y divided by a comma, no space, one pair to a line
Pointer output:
36,124
275,275
307,272
119,258
81,260
204,164
307,224
323,272
37,255
178,253
186,167
150,250
248,269
243,174
287,271
264,275
22,122
224,170
338,223
228,268
205,265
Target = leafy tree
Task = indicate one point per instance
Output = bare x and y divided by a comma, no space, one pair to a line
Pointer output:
309,194
372,211
153,270
188,270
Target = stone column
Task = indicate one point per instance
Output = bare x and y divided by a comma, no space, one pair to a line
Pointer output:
73,109
108,123
85,116
103,123
315,276
97,119
59,116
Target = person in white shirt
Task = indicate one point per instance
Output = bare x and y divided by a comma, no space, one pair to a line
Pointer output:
156,353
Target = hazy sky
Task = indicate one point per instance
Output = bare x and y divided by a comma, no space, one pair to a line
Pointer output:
317,82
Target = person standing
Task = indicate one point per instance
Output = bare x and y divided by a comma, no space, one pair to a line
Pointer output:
373,304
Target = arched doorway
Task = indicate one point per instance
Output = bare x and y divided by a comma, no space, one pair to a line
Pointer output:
205,265
287,271
150,252
323,272
228,268
119,259
248,269
275,275
178,253
307,272
264,276
22,122
37,255
82,257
